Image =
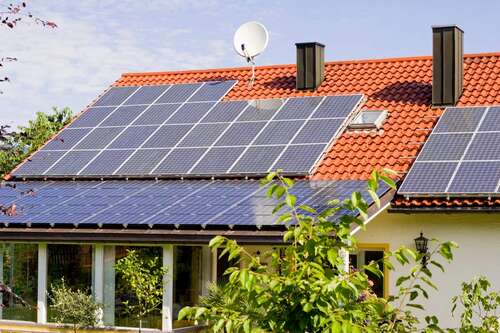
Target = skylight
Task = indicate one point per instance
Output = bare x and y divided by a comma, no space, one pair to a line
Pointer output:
368,119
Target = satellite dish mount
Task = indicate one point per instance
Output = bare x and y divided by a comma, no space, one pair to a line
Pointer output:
249,41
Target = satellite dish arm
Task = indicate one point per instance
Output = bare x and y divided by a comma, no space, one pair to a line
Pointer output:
250,61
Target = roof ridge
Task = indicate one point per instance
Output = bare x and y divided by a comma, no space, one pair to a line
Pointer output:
336,62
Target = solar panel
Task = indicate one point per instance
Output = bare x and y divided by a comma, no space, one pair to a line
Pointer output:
148,202
218,160
185,129
142,162
115,96
461,156
72,162
289,161
179,93
98,138
240,134
146,95
123,115
92,117
225,112
167,136
318,131
256,159
476,177
337,106
431,177
179,161
298,108
445,147
212,91
133,137
278,132
156,114
203,135
106,162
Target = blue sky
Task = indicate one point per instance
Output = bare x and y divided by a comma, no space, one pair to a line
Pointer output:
97,40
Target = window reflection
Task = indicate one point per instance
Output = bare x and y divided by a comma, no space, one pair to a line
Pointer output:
20,268
187,279
123,294
73,263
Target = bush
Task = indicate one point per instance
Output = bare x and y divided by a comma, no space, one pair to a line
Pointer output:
75,307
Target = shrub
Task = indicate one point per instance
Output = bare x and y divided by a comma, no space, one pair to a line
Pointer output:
75,307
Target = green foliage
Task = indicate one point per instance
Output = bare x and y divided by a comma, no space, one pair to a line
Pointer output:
75,307
144,277
18,145
307,287
479,307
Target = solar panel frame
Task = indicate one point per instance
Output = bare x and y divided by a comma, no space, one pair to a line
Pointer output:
115,96
147,94
482,149
108,136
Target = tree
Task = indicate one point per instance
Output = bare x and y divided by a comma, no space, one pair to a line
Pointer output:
480,307
144,278
75,307
309,288
17,146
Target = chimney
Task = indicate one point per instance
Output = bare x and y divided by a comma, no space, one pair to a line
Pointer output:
447,65
310,65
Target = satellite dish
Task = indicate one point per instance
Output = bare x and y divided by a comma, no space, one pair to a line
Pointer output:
250,40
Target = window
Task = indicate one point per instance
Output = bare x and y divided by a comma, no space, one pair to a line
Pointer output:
364,257
73,263
187,279
19,263
123,294
368,119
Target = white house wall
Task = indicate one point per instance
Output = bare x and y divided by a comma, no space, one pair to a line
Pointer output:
478,235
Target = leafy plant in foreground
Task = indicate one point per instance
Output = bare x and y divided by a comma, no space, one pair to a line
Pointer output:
309,288
480,307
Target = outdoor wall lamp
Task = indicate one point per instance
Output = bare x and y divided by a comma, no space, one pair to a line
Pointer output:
421,246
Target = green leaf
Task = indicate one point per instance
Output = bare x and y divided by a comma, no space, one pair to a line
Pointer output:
290,200
332,255
414,305
374,197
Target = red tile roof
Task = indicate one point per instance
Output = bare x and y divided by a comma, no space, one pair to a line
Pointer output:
400,85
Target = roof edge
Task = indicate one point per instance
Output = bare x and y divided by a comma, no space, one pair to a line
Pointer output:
339,62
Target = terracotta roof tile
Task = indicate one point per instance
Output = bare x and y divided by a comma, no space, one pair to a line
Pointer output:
402,86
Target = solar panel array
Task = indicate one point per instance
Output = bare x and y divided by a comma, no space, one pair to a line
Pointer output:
186,129
164,202
461,156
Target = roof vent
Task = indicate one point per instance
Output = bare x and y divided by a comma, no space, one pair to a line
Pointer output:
447,64
310,65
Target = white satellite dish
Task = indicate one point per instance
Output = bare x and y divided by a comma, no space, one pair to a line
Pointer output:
249,41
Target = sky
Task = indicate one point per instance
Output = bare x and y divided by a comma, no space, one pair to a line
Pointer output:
98,40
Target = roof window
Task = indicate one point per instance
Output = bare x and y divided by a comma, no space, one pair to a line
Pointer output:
368,119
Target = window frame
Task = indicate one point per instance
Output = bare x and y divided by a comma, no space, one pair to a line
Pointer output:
362,247
357,122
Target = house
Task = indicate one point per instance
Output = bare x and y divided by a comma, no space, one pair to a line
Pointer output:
164,161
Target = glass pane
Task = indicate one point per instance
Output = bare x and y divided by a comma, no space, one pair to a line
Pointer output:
73,263
20,268
187,279
378,282
123,294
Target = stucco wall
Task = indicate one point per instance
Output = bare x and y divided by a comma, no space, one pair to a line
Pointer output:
478,236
